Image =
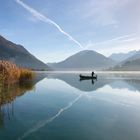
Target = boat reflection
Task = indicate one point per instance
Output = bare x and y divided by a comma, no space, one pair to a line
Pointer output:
103,79
92,80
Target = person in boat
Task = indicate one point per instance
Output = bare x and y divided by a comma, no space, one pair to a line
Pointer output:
92,74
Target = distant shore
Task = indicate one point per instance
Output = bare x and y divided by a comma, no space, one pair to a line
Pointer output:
98,72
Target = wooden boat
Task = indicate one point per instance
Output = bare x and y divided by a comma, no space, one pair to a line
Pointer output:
87,77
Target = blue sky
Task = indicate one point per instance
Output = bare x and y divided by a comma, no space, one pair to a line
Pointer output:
55,29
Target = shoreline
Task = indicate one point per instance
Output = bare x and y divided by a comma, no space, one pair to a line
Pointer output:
98,72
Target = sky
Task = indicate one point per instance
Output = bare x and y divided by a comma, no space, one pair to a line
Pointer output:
52,30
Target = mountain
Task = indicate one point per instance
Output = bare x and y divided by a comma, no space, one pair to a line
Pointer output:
130,64
133,65
134,57
122,56
84,60
19,55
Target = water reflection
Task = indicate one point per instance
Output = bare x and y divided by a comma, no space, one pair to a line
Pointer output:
85,85
63,107
9,92
125,80
92,80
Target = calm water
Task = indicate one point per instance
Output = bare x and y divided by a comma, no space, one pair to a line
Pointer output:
61,107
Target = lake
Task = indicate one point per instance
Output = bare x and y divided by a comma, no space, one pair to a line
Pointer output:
60,106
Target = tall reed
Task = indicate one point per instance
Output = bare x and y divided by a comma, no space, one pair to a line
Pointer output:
10,73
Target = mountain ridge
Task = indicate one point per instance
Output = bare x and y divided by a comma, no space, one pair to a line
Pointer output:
122,56
19,55
83,60
130,64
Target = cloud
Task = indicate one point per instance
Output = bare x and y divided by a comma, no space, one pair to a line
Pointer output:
124,48
102,12
129,40
123,43
115,13
119,39
45,19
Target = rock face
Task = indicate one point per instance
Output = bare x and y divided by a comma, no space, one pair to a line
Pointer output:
19,55
84,60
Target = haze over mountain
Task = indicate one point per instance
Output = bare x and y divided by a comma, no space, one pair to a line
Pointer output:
19,55
122,56
134,57
84,60
130,64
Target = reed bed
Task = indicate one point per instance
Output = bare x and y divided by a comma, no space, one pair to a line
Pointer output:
10,73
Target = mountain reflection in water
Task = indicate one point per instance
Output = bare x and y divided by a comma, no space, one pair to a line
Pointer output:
132,81
62,107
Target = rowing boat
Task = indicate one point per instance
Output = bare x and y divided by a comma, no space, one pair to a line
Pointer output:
87,77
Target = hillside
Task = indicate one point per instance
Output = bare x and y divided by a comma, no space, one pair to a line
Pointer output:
122,56
84,60
130,64
19,55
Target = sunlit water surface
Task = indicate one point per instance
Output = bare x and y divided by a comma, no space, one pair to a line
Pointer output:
61,107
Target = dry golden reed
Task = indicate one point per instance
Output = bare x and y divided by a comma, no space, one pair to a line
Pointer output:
10,73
